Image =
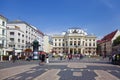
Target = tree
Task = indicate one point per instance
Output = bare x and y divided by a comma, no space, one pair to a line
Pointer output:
116,41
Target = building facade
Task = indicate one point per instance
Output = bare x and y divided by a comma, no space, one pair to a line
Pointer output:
74,41
106,42
3,22
22,35
48,43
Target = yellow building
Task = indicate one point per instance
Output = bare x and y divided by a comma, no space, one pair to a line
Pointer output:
74,41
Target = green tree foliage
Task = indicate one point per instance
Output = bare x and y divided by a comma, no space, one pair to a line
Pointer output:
116,41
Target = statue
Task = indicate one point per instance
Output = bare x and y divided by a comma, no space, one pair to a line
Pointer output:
35,49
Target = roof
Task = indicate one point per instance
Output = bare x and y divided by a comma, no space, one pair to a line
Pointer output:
40,32
3,17
109,36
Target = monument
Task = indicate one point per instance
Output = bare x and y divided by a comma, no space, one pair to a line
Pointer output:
35,49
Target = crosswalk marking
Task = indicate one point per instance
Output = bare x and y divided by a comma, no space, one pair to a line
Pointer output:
77,74
7,72
104,75
49,75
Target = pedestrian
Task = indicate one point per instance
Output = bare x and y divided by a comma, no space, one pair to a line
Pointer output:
43,58
47,58
61,56
14,58
69,56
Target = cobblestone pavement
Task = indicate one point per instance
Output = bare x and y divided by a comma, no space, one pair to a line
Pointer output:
61,70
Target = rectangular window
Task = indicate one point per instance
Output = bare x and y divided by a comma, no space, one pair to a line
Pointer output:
59,44
18,34
93,44
11,33
3,32
89,44
55,39
63,44
70,42
18,40
3,23
22,35
22,41
79,43
75,43
55,44
12,39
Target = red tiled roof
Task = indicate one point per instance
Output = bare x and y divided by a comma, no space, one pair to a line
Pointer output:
109,36
98,41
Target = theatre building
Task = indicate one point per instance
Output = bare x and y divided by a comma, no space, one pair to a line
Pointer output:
74,41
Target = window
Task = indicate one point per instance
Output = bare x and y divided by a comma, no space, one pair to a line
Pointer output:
86,44
19,46
3,23
55,44
18,34
3,32
11,33
78,42
70,42
63,44
59,44
18,40
22,35
55,39
22,41
12,39
89,44
93,44
3,43
74,42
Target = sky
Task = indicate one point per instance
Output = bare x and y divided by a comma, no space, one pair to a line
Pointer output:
98,17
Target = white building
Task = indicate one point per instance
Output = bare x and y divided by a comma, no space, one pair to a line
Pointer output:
3,22
22,34
40,39
74,41
48,43
15,38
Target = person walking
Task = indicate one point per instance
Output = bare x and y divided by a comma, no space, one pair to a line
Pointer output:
47,58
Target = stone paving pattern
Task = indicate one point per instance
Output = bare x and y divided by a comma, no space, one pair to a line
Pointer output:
65,70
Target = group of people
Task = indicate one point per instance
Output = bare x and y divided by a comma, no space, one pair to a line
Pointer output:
69,56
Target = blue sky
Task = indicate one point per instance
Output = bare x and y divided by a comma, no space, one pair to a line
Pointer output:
54,16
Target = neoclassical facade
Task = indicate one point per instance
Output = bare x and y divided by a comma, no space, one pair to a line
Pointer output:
74,41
